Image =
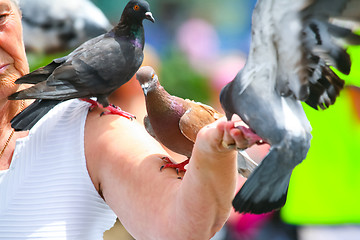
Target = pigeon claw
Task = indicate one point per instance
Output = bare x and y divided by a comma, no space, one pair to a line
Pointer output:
251,137
112,109
115,110
179,167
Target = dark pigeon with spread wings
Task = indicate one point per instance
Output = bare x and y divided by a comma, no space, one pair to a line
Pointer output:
95,69
293,45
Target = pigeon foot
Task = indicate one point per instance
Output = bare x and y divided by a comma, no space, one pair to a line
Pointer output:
251,137
93,103
179,167
112,109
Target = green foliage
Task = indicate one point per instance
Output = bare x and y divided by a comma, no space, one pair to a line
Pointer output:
180,79
37,60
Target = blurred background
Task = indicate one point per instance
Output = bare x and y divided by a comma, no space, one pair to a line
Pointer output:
199,41
196,47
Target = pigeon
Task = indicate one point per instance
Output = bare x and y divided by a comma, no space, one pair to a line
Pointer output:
171,120
95,69
51,26
293,45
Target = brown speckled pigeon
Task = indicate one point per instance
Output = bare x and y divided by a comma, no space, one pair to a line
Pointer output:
173,121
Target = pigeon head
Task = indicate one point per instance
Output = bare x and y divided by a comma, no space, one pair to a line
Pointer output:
136,11
147,78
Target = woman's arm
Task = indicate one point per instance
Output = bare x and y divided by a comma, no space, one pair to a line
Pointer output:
124,164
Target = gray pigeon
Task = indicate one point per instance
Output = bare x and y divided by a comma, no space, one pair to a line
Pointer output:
60,25
293,45
95,69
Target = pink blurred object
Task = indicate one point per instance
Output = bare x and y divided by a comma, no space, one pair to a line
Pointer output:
225,70
248,226
199,40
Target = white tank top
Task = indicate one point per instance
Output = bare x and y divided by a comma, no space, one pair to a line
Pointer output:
47,192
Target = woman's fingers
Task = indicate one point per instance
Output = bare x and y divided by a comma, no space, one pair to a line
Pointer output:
234,137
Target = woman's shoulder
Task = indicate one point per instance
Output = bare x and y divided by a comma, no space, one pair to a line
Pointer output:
114,142
108,130
62,116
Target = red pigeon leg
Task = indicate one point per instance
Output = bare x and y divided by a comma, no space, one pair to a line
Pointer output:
251,137
112,109
93,103
179,167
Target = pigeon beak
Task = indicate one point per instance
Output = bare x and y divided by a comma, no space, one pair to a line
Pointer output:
145,88
149,16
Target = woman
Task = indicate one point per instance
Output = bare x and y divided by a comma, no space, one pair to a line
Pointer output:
67,177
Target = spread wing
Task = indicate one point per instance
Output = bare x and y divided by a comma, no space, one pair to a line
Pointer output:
309,38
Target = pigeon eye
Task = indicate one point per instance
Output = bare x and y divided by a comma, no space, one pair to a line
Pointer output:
153,75
136,8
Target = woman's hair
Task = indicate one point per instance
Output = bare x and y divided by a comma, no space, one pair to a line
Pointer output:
16,2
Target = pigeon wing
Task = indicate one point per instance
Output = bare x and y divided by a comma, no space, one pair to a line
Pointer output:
324,38
196,117
307,42
40,74
91,70
149,127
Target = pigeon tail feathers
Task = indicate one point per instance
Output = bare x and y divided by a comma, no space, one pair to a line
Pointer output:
43,91
259,194
266,189
26,119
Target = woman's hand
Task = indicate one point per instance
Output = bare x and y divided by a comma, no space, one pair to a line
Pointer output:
223,136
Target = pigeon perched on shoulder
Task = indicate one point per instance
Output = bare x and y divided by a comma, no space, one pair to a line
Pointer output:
95,69
173,121
293,45
60,25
